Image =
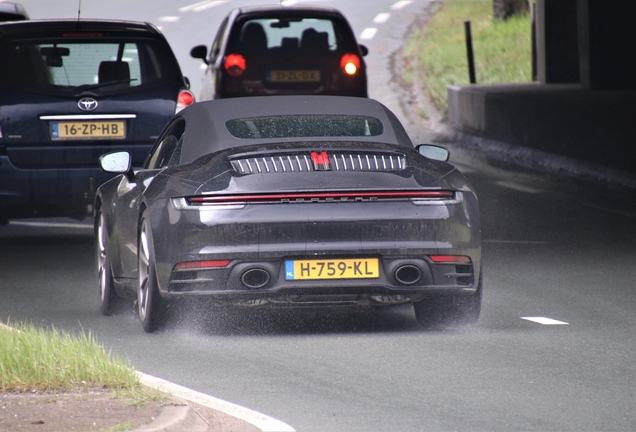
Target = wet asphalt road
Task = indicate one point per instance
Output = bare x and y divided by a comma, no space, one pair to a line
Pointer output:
557,249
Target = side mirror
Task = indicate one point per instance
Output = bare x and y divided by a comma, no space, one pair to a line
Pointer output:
117,163
433,152
363,49
200,52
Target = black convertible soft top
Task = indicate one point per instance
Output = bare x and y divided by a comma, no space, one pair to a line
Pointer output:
207,131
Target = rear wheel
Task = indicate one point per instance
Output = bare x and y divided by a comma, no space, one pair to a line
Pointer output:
150,303
108,296
449,309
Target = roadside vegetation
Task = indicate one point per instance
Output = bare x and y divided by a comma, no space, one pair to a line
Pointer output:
502,49
33,359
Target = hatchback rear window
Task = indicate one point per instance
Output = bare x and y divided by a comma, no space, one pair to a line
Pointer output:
313,35
72,67
299,126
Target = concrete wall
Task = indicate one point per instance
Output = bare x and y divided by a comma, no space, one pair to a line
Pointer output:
596,127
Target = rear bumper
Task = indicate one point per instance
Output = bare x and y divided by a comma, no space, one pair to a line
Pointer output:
401,280
252,244
240,88
47,192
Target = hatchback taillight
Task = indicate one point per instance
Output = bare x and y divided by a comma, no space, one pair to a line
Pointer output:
234,64
350,63
185,99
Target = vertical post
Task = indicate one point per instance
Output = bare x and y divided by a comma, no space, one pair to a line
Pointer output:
469,52
533,15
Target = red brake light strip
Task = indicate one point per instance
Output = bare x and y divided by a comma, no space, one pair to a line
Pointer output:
319,195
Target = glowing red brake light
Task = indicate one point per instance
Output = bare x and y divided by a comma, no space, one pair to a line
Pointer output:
185,99
450,259
235,64
350,63
192,265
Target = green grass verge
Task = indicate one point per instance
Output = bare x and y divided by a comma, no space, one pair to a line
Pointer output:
502,49
33,359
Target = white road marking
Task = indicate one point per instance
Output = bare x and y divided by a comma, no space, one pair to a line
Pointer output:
381,18
545,321
261,421
616,211
518,187
200,6
52,224
168,19
293,2
368,33
400,4
514,241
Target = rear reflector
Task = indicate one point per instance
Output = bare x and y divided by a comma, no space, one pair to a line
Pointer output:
235,64
190,265
319,196
450,259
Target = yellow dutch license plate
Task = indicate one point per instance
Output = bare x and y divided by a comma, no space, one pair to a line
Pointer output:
358,268
88,130
294,76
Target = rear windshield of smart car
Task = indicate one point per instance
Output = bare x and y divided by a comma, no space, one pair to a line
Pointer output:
75,66
303,126
287,35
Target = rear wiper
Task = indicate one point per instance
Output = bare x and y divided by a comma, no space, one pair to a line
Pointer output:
104,84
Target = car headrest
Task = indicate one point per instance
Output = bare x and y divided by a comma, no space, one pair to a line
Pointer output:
113,71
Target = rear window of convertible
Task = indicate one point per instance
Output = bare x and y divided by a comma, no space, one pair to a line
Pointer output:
298,126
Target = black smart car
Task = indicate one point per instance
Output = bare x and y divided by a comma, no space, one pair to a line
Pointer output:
69,92
283,50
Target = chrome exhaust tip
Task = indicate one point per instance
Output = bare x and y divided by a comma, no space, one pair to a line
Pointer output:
408,274
255,278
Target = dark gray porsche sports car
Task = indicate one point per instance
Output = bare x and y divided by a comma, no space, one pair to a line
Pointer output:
289,200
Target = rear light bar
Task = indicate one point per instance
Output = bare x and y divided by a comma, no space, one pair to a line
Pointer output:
350,63
450,259
184,100
193,265
234,65
301,197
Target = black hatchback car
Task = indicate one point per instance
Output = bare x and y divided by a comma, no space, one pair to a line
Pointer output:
69,92
283,50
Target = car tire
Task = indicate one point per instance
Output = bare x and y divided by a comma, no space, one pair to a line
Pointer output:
441,310
150,304
109,299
